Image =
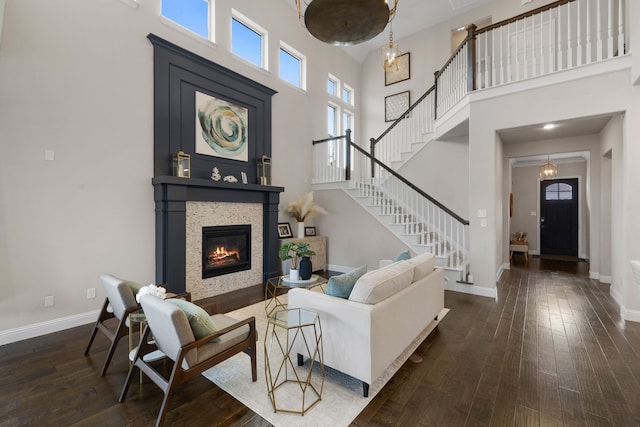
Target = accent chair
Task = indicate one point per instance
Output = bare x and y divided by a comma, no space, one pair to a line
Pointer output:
192,339
119,303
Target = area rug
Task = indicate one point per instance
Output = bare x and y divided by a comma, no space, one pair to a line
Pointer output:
342,398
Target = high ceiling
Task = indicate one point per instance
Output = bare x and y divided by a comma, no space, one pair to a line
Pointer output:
411,17
415,15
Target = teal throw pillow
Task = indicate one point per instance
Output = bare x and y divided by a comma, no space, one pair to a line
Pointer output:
342,284
402,256
199,320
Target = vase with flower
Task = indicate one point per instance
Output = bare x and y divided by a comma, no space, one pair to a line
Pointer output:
304,208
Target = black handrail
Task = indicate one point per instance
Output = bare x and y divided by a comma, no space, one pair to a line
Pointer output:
350,144
347,136
374,141
413,187
532,12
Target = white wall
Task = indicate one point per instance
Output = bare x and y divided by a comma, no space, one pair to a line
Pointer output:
76,77
573,98
441,170
354,237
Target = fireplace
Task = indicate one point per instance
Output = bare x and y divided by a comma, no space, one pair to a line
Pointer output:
225,249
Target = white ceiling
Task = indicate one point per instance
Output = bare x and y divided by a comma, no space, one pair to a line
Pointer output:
562,129
411,16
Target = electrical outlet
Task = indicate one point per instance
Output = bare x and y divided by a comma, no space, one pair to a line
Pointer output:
91,293
48,301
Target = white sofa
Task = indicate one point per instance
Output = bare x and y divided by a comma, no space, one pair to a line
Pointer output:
386,310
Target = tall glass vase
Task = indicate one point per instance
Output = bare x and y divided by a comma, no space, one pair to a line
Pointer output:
300,230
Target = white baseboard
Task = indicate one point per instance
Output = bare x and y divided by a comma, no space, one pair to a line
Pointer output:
625,313
471,289
630,315
50,326
602,278
499,273
339,268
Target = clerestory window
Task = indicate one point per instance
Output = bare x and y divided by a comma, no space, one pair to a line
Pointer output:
248,40
194,15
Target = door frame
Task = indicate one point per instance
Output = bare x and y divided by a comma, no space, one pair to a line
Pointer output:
581,196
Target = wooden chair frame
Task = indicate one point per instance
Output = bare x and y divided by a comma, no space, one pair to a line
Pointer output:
114,335
179,375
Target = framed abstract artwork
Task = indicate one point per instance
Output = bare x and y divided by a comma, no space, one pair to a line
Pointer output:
221,128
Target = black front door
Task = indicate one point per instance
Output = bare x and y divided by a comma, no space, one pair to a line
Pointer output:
559,217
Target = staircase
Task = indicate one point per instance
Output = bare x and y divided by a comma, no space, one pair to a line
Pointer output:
418,232
561,35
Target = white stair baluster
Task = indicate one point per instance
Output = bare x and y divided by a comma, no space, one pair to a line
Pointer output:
621,41
610,30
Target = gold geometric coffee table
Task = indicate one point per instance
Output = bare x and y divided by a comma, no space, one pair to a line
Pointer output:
278,286
293,387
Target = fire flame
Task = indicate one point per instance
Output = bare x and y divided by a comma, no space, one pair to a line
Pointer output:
222,254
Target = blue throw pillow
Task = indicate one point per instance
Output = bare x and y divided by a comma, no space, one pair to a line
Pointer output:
342,284
402,256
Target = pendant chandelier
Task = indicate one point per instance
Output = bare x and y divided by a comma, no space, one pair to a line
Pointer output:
345,22
548,171
390,52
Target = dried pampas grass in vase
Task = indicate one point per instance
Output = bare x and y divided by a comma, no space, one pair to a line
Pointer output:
304,208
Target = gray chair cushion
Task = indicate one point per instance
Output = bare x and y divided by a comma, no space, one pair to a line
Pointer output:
119,293
171,330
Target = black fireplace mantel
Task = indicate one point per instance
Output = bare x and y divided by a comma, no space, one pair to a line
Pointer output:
171,195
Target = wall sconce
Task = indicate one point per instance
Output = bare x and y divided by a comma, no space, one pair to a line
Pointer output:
182,165
264,170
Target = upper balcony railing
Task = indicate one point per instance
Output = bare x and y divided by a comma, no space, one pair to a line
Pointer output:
561,35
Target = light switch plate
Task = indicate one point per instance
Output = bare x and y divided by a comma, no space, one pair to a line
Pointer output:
482,213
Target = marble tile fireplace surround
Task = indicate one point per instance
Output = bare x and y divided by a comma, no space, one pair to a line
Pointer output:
185,206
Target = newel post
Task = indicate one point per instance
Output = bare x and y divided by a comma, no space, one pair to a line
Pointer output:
347,156
372,151
471,57
436,75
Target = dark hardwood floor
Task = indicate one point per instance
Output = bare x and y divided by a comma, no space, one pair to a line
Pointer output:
551,351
